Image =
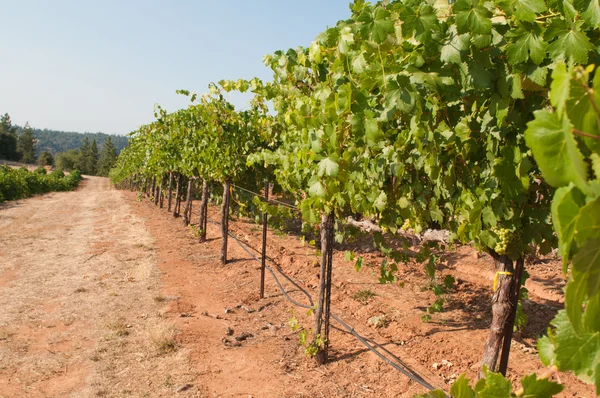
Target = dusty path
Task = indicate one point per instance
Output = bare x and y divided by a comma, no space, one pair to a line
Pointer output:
105,296
79,315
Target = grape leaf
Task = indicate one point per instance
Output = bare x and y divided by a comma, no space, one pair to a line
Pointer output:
527,43
569,43
565,214
539,388
328,167
555,150
587,261
471,17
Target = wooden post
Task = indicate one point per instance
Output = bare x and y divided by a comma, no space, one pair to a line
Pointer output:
322,312
177,195
225,219
264,246
501,309
170,192
188,203
510,324
153,187
157,192
161,198
203,211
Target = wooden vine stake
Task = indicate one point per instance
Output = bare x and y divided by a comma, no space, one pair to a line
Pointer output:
264,246
203,210
225,219
157,192
153,188
177,195
170,192
501,310
162,192
323,310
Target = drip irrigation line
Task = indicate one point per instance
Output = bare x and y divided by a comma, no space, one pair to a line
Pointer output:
269,200
402,367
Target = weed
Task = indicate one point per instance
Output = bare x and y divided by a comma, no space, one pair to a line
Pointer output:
119,327
160,298
363,296
162,338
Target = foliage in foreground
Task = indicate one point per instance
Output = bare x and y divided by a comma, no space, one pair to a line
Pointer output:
21,183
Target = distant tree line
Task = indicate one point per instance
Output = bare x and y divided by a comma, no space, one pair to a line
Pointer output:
55,141
88,159
22,144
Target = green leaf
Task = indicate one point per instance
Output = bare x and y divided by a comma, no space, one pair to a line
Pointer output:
569,43
587,261
419,23
539,388
555,150
348,255
575,294
560,87
528,43
457,44
461,388
317,189
328,167
472,18
482,78
359,263
595,158
359,63
372,131
495,386
588,224
591,16
546,350
378,24
526,10
381,202
566,207
578,353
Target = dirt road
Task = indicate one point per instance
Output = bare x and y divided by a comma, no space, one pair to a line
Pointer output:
102,295
79,301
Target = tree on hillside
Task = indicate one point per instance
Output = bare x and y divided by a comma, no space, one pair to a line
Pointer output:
89,157
8,139
93,158
70,160
108,158
46,159
26,145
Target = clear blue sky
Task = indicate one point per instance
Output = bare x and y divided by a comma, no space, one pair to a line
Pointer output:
101,66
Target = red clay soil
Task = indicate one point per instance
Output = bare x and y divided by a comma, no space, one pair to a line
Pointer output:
213,306
105,296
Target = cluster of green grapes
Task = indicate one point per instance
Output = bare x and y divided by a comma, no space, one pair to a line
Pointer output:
407,225
504,237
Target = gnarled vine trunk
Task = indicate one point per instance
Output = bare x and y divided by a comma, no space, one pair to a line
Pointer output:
203,210
501,310
188,202
170,192
322,312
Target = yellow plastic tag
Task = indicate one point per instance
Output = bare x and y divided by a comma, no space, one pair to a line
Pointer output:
497,276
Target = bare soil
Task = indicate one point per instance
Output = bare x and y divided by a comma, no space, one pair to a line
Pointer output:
102,295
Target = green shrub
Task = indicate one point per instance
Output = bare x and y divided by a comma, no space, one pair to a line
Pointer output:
18,184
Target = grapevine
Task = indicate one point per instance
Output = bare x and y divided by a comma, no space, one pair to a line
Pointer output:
419,114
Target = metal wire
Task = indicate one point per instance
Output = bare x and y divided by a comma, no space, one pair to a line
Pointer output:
269,200
369,344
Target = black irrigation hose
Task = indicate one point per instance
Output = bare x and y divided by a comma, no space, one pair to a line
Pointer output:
403,367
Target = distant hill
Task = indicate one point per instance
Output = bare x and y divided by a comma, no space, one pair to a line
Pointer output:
55,141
